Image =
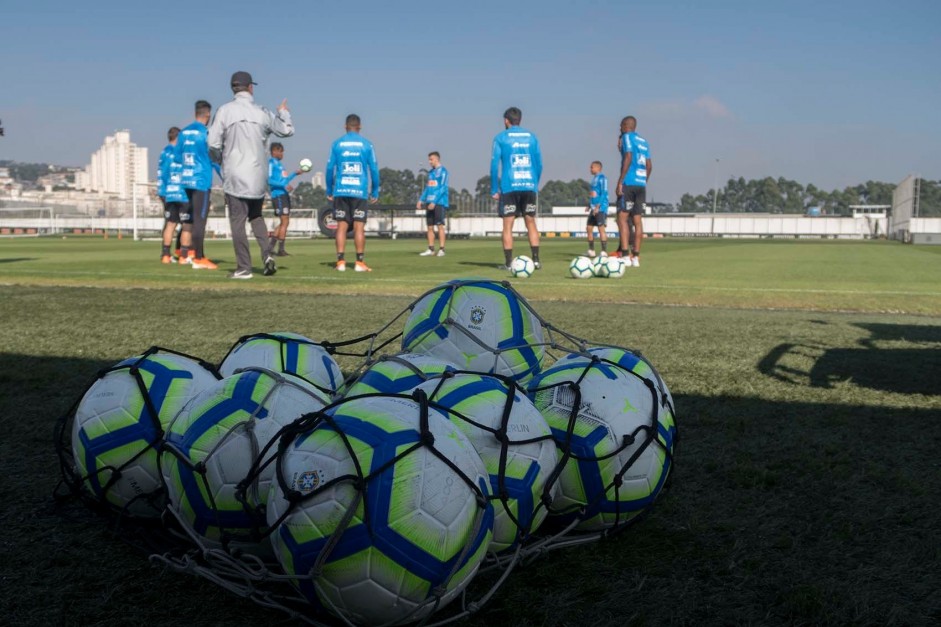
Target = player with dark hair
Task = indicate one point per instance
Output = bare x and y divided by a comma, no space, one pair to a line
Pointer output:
597,209
636,167
517,156
434,199
352,177
237,138
192,151
279,184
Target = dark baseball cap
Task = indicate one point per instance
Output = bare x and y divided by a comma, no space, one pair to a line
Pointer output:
242,78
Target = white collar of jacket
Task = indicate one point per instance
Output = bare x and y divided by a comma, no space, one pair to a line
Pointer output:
244,95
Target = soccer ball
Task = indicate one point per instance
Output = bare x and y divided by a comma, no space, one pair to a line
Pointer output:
395,374
419,526
629,360
581,268
119,424
522,267
619,438
306,165
612,267
285,352
217,460
598,267
479,325
482,407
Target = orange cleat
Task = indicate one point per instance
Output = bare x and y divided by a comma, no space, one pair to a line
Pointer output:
204,264
341,266
167,259
362,267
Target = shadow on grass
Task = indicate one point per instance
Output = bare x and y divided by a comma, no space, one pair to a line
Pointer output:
16,259
874,365
761,489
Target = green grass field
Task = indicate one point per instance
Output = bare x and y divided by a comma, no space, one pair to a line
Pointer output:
806,374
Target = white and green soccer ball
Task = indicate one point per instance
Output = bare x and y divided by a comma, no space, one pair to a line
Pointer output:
478,325
217,462
118,427
305,165
630,360
417,525
522,267
283,351
520,467
581,268
612,267
396,374
619,438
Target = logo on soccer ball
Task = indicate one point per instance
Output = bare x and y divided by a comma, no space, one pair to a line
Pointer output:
307,481
477,314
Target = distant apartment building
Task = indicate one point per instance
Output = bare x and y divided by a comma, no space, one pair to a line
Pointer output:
116,167
318,180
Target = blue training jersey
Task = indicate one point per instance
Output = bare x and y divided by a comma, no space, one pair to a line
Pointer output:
516,151
174,182
277,181
436,188
192,151
352,157
599,190
163,169
640,153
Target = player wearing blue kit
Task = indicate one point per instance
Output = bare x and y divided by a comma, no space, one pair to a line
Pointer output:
515,168
352,177
636,167
279,184
192,150
434,199
597,209
171,192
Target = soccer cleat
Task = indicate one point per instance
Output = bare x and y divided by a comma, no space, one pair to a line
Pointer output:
538,265
604,253
186,260
617,253
203,264
362,267
240,274
635,261
282,253
427,253
440,253
591,253
341,266
503,267
270,267
167,259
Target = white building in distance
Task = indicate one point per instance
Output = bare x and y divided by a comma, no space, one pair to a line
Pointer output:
317,180
116,167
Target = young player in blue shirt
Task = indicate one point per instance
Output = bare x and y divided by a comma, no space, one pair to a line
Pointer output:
352,177
434,199
279,184
192,150
597,209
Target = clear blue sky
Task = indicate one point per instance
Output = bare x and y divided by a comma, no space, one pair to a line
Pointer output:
830,93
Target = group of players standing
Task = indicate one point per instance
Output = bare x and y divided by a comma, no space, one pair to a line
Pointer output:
233,144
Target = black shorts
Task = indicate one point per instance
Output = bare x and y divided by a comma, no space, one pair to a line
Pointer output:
634,200
349,210
282,205
172,211
434,217
597,219
198,209
517,204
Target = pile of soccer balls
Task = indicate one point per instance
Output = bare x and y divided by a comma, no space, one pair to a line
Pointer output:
380,496
604,266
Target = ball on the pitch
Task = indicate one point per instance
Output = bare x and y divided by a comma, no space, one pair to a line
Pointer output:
418,525
520,466
306,165
395,374
619,439
119,425
612,267
283,351
581,268
219,440
522,267
478,325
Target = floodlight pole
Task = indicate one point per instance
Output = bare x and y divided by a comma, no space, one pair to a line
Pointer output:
134,207
715,189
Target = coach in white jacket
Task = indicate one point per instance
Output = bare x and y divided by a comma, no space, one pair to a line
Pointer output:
238,135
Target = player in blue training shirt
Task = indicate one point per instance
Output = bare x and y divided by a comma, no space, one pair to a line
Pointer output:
636,167
279,184
192,150
434,199
597,209
168,188
352,177
515,168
